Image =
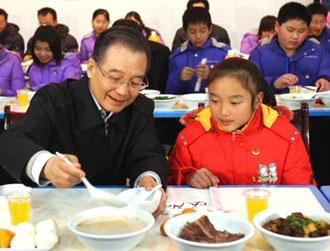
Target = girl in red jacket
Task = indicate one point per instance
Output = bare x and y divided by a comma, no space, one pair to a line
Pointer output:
238,139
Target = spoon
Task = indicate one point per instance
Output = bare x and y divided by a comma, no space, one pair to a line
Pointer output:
96,193
148,194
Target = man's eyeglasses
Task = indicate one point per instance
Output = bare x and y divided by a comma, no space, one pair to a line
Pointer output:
133,84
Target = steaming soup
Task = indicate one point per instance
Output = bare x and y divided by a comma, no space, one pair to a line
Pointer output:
111,225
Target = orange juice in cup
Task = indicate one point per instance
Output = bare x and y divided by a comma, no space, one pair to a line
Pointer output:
256,200
22,97
19,204
295,88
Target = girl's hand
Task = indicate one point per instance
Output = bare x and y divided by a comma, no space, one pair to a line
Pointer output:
203,178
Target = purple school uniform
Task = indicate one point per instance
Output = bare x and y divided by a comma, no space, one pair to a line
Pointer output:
87,47
249,42
69,68
11,72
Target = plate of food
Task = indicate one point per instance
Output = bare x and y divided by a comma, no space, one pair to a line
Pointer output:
294,229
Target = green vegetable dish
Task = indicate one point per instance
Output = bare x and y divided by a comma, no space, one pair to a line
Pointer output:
164,97
298,225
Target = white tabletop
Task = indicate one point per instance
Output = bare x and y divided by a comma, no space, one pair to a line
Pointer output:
62,204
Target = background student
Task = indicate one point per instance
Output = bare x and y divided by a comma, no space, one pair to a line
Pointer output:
100,22
186,63
290,58
50,64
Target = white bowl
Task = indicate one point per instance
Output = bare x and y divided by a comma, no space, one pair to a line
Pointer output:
118,242
164,103
221,221
193,99
293,100
150,93
131,196
289,243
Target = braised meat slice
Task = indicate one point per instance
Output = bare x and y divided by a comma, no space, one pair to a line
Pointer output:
202,230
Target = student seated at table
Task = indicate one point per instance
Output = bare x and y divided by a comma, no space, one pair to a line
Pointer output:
266,31
186,63
217,32
49,64
101,122
100,23
238,139
290,58
149,33
318,27
11,72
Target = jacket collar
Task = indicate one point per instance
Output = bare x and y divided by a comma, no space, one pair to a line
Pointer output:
305,47
264,115
207,44
88,114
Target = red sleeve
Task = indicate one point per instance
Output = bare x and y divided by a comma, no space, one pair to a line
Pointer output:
298,169
180,161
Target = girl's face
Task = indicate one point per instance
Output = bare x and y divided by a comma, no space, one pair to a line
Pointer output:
43,52
231,104
100,23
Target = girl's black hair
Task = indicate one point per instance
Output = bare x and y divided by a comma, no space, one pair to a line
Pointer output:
247,74
47,34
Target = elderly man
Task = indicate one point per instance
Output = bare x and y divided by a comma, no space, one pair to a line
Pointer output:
101,122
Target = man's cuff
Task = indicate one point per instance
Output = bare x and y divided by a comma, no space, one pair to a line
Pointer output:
36,164
152,174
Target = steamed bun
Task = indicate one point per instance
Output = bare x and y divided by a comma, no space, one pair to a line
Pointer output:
46,239
23,240
25,227
46,226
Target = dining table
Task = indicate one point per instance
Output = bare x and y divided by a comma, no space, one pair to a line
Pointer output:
326,191
62,204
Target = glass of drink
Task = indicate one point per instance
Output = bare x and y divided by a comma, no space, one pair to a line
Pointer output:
295,88
256,200
22,97
19,204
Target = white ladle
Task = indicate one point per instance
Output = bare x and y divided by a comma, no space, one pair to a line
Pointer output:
98,194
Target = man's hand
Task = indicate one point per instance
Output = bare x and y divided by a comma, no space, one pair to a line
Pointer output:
62,174
203,178
285,81
322,85
187,73
148,183
27,58
203,71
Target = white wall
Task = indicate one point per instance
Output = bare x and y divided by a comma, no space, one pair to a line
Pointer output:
237,16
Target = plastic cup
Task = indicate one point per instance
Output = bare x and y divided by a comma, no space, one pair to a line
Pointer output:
256,200
22,97
295,88
19,204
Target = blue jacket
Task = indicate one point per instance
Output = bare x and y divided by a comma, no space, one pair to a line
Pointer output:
309,63
325,39
188,55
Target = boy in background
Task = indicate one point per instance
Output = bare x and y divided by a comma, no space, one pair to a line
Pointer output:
290,58
191,63
317,27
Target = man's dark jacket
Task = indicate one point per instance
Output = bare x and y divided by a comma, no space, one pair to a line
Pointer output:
11,38
64,117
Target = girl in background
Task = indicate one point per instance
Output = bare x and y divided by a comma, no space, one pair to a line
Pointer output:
100,22
233,140
149,33
11,72
49,64
265,33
